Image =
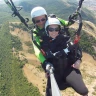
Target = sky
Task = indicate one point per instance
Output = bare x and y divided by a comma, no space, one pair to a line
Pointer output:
12,0
2,1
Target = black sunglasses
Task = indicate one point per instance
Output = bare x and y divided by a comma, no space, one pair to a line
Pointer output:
53,29
38,21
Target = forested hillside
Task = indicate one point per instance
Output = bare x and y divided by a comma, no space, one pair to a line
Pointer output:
20,71
62,9
91,5
12,80
33,71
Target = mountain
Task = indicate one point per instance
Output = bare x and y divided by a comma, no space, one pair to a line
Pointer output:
91,5
21,72
12,79
62,9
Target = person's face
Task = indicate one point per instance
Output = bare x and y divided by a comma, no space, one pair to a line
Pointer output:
40,21
53,31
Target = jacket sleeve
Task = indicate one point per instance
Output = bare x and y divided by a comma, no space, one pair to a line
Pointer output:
64,22
37,51
75,55
79,53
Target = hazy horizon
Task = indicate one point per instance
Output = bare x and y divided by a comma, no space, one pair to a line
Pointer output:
2,1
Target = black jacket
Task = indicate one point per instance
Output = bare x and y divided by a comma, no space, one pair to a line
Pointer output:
58,44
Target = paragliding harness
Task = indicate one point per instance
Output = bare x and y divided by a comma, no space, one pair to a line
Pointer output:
79,21
54,85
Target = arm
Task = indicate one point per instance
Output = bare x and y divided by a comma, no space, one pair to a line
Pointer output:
78,60
70,20
45,65
66,23
63,22
37,51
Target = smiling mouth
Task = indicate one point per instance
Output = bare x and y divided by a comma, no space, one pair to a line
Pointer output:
53,35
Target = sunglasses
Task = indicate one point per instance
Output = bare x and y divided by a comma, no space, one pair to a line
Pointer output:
53,29
38,21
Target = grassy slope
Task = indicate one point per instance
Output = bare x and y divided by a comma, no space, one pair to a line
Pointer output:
33,74
12,80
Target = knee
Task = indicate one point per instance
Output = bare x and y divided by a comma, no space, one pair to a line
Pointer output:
83,91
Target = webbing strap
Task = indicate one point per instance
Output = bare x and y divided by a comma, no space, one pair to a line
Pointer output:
54,86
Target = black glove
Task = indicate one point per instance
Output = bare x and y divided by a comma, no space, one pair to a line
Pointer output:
73,17
65,51
59,54
47,66
71,46
49,54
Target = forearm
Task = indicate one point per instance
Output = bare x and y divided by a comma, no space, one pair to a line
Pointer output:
39,54
63,22
37,50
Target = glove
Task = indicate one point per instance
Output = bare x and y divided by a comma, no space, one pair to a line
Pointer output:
49,54
71,46
60,53
65,51
73,17
47,66
71,20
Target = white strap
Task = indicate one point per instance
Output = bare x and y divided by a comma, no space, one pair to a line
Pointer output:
54,86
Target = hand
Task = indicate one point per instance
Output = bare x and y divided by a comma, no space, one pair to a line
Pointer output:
73,17
61,53
71,46
49,66
76,65
58,54
49,54
71,20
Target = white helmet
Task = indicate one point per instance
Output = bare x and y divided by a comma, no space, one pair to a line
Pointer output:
51,21
38,11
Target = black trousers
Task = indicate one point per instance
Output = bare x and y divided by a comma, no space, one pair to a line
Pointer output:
72,78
